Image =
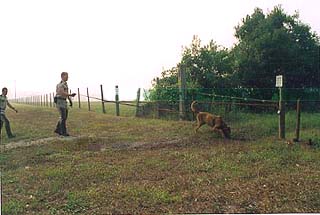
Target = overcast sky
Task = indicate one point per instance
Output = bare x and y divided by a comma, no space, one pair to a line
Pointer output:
123,42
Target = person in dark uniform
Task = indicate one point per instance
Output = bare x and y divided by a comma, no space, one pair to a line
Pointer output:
62,94
3,105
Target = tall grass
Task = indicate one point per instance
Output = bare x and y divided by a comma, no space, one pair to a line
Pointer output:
159,166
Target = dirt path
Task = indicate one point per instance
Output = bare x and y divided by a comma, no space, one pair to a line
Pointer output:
102,143
26,143
93,143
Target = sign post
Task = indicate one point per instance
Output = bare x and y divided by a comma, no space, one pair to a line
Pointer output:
117,101
281,111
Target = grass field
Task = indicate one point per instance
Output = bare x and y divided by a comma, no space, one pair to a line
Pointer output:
135,165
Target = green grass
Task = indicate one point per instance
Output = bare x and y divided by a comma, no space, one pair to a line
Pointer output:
172,169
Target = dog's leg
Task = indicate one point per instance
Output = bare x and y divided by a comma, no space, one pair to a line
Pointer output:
218,130
194,123
197,128
199,125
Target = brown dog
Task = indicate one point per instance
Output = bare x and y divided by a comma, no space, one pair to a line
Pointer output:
215,122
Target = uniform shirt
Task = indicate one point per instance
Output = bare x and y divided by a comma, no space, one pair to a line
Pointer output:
64,86
61,102
3,104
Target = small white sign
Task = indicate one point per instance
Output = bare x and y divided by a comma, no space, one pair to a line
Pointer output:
279,81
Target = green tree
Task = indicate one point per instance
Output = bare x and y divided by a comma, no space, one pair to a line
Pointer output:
165,88
207,68
268,45
273,44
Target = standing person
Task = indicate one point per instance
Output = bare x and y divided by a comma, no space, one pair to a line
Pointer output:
3,105
61,100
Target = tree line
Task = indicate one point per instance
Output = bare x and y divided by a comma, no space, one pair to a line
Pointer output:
268,44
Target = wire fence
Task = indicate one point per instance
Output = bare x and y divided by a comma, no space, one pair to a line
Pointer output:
235,110
169,108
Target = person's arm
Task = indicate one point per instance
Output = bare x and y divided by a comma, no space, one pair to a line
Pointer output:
10,106
61,92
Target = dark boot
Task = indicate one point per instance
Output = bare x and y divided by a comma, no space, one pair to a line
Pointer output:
11,136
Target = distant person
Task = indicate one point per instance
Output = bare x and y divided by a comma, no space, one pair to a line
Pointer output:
3,105
62,94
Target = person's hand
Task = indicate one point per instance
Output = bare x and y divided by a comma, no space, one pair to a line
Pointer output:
73,94
15,110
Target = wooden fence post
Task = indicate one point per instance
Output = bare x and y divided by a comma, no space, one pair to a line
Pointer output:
298,121
157,105
89,107
54,104
50,100
102,99
137,104
182,93
117,101
79,98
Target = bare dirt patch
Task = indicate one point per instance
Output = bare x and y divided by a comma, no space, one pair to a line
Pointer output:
42,141
102,143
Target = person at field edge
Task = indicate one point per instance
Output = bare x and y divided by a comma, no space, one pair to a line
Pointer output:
3,105
61,103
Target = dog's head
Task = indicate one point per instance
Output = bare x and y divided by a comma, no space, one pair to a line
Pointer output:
227,131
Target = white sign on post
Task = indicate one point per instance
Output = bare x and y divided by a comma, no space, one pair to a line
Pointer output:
279,81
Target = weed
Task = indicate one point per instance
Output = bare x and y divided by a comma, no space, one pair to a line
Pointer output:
76,203
13,207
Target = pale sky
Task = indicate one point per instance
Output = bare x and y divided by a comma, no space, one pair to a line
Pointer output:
123,42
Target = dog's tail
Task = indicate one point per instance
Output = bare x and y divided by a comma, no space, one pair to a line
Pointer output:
193,107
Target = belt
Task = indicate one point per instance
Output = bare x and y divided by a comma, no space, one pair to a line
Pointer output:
61,98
